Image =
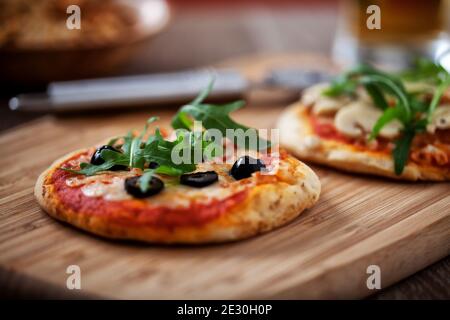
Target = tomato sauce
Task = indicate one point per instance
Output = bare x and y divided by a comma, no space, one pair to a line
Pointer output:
440,139
327,130
141,213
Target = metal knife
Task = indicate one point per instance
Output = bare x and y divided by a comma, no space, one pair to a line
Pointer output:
154,89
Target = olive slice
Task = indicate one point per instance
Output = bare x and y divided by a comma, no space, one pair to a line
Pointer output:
245,166
97,159
153,165
132,187
199,179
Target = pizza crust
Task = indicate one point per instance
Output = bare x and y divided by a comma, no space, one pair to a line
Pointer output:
266,207
297,136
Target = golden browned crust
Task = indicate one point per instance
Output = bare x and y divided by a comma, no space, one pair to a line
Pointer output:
297,136
266,207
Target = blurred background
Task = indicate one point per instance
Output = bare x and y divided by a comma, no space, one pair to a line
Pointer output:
126,37
140,36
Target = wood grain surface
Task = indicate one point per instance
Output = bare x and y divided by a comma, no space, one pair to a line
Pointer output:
359,221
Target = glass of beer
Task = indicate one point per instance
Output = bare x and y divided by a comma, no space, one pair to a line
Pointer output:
391,33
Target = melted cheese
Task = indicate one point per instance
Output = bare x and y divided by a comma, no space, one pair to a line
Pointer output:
110,185
322,105
440,119
311,142
109,191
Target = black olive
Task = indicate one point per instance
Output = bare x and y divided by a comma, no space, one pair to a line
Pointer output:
245,166
132,187
97,158
153,165
199,179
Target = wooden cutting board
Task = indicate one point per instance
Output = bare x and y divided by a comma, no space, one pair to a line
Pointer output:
359,221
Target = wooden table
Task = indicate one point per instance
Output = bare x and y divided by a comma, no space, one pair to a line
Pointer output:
191,40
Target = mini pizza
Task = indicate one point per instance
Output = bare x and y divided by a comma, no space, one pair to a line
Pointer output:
371,122
131,188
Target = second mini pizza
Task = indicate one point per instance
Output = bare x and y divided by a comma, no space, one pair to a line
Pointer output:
369,121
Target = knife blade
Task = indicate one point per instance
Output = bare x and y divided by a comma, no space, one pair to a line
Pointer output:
154,89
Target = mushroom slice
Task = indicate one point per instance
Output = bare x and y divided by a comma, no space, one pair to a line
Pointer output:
418,87
322,105
312,94
358,118
328,106
440,119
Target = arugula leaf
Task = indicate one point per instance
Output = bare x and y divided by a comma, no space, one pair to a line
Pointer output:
437,97
213,116
160,151
420,125
182,121
342,85
131,156
144,180
127,141
113,141
424,70
217,117
347,83
169,171
132,147
134,155
377,96
401,111
393,88
401,150
88,169
367,70
418,105
388,115
111,158
204,93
